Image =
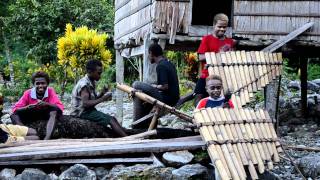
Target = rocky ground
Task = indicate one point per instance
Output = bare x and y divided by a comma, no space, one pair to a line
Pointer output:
294,130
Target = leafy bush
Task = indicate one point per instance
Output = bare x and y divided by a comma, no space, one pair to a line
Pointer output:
313,71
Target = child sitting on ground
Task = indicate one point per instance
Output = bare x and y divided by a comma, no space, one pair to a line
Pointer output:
214,88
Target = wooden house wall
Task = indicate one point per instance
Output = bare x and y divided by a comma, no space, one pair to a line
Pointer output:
254,19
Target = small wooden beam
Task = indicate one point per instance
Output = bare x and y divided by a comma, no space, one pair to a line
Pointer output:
119,79
144,118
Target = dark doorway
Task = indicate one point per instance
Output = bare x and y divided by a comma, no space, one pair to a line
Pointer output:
203,11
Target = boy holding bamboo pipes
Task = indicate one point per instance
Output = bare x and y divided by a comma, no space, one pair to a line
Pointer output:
214,88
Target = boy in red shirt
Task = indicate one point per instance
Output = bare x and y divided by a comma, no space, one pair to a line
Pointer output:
214,88
215,42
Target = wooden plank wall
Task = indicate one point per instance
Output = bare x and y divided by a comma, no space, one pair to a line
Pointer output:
254,19
132,20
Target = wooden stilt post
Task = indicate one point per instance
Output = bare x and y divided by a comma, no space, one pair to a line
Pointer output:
119,79
304,85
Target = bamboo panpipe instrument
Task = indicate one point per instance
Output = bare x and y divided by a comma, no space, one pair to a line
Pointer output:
214,150
244,72
154,101
227,149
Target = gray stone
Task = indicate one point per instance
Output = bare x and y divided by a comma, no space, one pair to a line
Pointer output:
310,165
78,172
101,172
313,86
191,171
294,85
139,171
316,81
32,174
6,119
53,176
177,158
7,174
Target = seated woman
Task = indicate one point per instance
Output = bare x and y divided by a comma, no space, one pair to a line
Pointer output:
38,103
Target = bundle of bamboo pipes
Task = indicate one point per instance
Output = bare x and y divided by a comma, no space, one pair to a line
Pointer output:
243,72
238,138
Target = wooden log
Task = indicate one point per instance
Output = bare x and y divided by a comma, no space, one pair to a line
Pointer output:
152,100
227,152
215,155
309,149
246,157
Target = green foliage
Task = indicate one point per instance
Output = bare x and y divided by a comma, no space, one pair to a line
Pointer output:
313,71
39,23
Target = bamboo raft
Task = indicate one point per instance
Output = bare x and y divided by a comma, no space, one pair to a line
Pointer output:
244,73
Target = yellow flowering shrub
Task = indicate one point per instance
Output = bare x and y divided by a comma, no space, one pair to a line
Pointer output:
77,46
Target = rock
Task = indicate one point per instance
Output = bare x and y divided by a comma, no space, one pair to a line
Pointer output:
313,86
177,158
317,133
101,172
78,172
139,171
6,119
53,176
316,81
310,165
294,85
7,174
32,174
191,171
268,175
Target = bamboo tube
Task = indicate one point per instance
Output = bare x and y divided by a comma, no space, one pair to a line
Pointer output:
214,131
222,72
231,136
269,66
275,58
243,78
152,100
232,72
233,59
247,74
226,72
274,73
247,159
264,67
265,128
256,70
214,154
279,59
251,71
263,83
214,62
248,135
258,134
239,79
224,137
271,128
209,62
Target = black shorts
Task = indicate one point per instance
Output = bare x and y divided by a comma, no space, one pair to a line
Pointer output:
201,87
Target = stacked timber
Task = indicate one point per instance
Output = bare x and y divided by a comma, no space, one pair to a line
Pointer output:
103,150
237,139
244,73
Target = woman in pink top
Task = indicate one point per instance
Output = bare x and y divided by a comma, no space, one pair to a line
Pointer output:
38,103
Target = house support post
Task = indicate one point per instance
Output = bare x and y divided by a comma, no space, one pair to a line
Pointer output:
119,79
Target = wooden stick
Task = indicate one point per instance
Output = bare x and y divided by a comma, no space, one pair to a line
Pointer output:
226,148
154,120
264,68
215,156
243,59
310,149
232,72
209,62
247,160
214,62
239,79
256,70
243,78
263,83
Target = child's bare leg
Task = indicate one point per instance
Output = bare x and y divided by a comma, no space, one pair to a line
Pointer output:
32,138
117,127
51,124
32,134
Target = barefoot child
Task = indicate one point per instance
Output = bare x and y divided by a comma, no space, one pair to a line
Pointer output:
15,133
